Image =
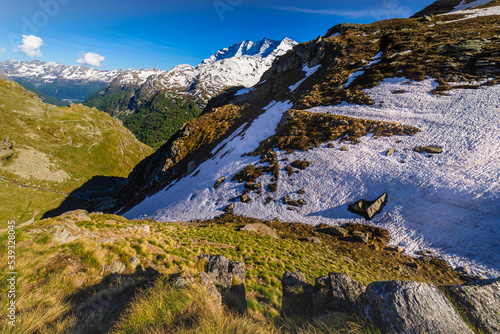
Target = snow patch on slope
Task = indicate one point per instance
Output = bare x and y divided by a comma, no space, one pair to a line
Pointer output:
309,71
448,203
193,196
473,13
464,5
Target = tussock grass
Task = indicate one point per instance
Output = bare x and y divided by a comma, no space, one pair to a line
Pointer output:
67,288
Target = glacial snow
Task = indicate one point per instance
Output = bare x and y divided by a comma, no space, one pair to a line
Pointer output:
447,203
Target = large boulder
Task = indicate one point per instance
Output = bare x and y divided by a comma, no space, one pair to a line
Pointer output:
368,209
336,292
297,294
481,302
410,308
229,279
260,228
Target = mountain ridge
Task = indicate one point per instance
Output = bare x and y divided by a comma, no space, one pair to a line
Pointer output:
360,67
134,95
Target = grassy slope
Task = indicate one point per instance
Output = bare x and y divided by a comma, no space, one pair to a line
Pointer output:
58,149
46,98
61,286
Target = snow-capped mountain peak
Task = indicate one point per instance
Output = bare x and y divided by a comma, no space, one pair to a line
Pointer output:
49,72
260,49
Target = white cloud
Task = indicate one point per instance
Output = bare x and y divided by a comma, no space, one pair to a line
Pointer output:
90,58
2,50
31,46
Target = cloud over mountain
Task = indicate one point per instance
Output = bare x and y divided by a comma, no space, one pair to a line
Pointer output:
31,46
90,58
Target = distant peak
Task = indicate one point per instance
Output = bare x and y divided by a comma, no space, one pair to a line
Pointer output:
247,48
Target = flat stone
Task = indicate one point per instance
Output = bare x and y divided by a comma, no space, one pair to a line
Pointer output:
391,151
337,231
399,249
433,149
117,267
314,240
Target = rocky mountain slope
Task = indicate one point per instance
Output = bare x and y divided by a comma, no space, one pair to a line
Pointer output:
47,152
100,273
75,82
406,107
154,104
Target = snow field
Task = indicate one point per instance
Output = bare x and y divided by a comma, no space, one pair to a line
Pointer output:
448,203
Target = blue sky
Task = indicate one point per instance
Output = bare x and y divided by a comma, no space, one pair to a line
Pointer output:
162,34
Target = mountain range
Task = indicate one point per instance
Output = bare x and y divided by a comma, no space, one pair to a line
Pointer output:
352,188
64,82
154,104
413,82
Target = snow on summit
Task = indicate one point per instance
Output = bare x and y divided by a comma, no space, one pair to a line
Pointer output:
447,203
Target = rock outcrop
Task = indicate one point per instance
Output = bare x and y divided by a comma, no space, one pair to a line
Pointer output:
228,278
410,307
481,302
336,292
297,294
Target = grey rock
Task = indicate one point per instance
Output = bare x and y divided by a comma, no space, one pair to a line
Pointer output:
293,280
410,308
229,279
391,151
470,45
399,249
369,209
218,270
361,236
337,292
219,181
297,294
65,233
245,198
481,302
212,290
301,191
117,267
261,229
433,149
337,231
229,208
314,240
